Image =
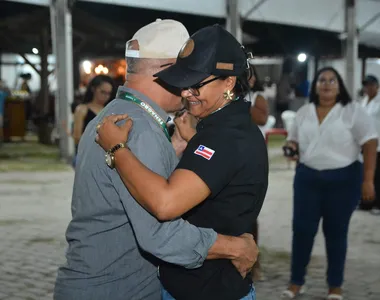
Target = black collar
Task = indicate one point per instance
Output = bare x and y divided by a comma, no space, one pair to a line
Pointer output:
233,114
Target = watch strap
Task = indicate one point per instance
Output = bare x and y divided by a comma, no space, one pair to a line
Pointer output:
117,147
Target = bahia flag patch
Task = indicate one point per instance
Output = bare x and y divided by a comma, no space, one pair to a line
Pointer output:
205,152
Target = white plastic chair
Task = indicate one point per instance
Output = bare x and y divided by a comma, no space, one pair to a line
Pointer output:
269,124
288,117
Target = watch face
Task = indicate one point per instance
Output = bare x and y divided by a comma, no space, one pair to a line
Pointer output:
109,160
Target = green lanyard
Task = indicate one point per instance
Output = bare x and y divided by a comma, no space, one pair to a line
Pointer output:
129,97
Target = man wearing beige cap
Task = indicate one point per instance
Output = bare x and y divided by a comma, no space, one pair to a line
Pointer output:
113,242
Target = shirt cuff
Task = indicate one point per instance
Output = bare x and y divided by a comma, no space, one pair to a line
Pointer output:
207,240
291,139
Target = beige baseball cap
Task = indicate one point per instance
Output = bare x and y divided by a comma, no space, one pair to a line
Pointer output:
161,39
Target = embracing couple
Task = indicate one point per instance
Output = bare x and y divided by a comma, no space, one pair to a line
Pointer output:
146,225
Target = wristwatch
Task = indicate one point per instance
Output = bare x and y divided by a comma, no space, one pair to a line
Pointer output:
110,155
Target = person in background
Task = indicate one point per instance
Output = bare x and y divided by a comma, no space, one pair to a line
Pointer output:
25,85
259,115
4,92
285,91
371,104
259,105
302,89
327,137
99,91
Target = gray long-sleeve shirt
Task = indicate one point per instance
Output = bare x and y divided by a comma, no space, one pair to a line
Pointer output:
111,235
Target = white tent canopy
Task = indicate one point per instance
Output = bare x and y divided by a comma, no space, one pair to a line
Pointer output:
321,14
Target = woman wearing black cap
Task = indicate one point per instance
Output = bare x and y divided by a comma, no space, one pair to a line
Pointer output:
222,178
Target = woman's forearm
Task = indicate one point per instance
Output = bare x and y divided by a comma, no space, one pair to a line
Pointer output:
260,111
369,159
259,117
77,133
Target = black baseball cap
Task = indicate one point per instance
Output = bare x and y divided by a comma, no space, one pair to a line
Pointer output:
370,79
212,50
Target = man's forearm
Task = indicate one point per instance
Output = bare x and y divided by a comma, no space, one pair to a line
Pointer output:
225,247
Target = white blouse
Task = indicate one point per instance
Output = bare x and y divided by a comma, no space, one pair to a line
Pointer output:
336,142
373,109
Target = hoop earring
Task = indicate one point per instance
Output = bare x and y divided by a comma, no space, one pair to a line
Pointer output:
228,95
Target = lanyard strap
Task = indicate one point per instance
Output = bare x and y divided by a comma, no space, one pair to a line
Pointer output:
131,98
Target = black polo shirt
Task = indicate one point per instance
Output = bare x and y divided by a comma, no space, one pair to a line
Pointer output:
229,154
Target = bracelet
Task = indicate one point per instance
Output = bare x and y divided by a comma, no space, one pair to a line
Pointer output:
117,147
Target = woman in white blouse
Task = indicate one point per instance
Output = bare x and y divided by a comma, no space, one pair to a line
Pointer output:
328,133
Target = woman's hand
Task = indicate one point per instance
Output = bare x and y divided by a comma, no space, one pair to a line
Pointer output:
179,144
109,134
368,191
186,124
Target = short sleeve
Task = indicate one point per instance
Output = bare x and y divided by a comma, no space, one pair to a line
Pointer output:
363,127
214,158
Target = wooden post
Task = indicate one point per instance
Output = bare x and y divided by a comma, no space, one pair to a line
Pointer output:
61,22
233,19
351,46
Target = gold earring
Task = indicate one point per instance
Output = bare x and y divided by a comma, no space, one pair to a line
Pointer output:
228,95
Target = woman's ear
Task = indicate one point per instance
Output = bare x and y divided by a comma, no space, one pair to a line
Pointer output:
230,82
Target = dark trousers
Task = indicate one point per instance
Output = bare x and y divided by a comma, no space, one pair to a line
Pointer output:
332,196
375,204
